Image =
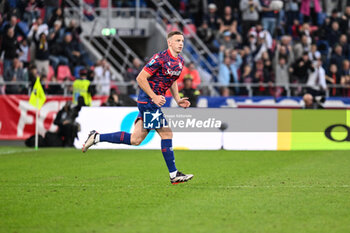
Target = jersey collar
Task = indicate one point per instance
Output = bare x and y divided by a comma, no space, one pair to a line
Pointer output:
175,58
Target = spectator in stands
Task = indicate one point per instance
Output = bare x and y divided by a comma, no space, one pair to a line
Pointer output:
250,15
333,77
228,70
131,75
15,74
230,41
286,52
345,21
56,16
247,56
9,46
37,29
42,54
343,42
345,82
32,74
314,54
295,29
259,31
268,16
23,52
334,17
305,30
103,77
56,33
247,74
51,7
301,69
333,35
345,76
282,65
13,23
207,35
72,51
57,55
337,57
44,83
212,18
302,46
75,30
261,75
261,47
317,80
310,12
189,92
32,11
228,22
292,12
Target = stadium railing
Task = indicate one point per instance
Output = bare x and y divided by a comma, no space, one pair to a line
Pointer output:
249,88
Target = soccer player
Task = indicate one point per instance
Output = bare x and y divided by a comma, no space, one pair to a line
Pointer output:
158,75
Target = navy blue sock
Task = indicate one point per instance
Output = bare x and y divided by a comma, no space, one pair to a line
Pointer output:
168,154
117,137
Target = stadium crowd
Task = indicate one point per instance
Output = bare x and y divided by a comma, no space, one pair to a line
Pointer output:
305,42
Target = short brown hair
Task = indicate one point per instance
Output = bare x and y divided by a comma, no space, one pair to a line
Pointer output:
174,33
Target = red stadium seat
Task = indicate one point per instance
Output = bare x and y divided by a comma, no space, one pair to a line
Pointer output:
103,3
64,72
187,29
50,74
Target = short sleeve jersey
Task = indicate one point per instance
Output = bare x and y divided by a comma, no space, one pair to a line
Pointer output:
164,69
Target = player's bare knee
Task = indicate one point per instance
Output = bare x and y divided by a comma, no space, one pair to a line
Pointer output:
167,135
135,140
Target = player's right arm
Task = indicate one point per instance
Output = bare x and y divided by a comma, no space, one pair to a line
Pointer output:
142,81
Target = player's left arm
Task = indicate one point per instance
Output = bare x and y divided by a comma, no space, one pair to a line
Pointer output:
182,102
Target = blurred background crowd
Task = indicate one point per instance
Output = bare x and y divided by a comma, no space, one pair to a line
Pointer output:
304,44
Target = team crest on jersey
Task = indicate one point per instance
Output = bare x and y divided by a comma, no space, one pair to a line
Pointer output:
180,65
169,63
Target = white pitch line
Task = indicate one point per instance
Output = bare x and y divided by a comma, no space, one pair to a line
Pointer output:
285,186
14,151
189,186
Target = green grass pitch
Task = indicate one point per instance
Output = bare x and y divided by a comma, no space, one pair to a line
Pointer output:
64,190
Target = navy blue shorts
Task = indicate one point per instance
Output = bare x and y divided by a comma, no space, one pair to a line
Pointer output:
148,109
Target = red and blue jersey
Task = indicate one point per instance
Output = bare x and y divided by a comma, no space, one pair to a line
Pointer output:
164,70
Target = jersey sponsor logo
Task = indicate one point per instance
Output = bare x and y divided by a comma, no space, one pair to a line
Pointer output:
173,72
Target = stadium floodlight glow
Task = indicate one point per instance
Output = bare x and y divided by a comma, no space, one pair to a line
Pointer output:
108,31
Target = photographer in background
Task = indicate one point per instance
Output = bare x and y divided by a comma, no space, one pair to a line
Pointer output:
65,120
315,96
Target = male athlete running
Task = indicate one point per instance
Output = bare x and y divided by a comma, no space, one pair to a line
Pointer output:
155,79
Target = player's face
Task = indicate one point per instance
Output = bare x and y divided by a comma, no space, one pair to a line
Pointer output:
176,43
